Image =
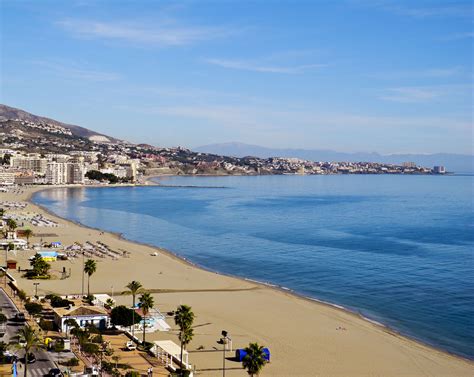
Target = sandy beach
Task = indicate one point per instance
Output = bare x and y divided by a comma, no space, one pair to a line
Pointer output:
305,338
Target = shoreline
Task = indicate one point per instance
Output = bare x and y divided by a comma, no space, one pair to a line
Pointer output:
282,289
289,294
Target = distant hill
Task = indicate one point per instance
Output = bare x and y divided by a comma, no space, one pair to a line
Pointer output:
452,162
7,112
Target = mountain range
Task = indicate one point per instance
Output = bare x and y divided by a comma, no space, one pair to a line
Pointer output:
452,162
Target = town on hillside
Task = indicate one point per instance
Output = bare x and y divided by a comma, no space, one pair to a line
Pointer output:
46,153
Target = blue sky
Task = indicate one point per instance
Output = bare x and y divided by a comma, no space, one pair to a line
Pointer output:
355,75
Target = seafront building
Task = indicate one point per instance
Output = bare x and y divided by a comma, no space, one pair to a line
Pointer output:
128,163
30,162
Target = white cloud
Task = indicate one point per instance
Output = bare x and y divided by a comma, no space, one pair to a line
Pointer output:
424,94
159,34
420,74
266,68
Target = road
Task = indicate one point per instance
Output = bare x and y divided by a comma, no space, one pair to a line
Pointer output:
44,360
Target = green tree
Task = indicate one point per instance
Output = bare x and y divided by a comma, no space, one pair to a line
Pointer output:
29,340
133,288
89,268
254,360
123,316
184,318
10,246
70,323
28,233
11,224
40,266
146,303
33,308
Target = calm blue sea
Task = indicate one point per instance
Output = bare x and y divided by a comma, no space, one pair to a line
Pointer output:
397,249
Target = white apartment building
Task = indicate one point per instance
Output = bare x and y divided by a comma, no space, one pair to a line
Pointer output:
56,173
76,172
59,173
35,163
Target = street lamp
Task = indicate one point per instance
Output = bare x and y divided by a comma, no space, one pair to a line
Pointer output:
224,340
82,291
36,289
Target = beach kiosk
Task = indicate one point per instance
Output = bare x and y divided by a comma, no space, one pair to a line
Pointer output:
49,256
168,351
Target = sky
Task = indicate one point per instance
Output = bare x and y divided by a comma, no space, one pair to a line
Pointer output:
350,75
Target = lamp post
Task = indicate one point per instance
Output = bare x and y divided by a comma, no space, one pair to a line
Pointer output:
82,291
224,342
36,289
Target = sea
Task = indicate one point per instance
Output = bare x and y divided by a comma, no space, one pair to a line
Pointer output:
397,249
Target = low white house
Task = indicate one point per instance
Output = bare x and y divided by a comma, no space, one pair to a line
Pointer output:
83,315
17,242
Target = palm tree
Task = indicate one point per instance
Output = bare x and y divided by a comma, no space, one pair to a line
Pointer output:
70,322
11,224
29,339
134,287
89,268
146,303
184,318
254,361
28,233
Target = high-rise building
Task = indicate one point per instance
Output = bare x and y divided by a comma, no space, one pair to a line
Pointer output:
439,170
75,172
57,173
37,164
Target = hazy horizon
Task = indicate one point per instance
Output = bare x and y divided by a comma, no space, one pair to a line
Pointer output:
349,76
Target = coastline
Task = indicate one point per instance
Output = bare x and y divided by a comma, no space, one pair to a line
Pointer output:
333,309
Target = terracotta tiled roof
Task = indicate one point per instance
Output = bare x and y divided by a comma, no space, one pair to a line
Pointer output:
77,311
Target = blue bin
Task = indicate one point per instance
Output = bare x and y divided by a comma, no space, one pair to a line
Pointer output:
240,354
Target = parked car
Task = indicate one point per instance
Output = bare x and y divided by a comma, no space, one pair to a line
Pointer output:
19,317
91,371
130,346
55,372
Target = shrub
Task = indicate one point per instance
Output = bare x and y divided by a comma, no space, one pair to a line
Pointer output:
73,362
33,308
89,299
90,348
46,325
58,302
21,294
123,316
98,339
132,373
